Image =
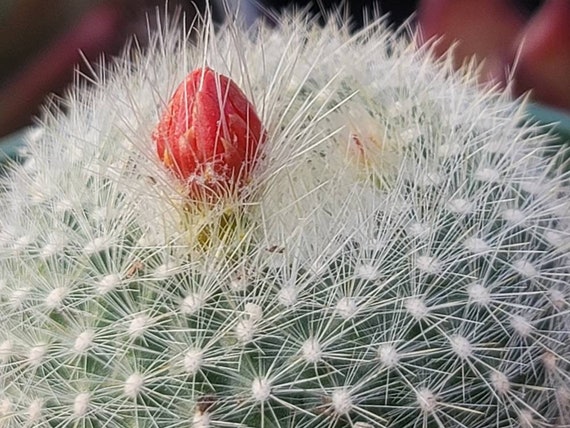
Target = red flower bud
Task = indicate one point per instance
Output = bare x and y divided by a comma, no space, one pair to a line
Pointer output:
210,134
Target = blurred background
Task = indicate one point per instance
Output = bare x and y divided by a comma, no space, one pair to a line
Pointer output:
43,42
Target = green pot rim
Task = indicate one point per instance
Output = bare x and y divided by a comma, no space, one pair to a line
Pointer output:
559,120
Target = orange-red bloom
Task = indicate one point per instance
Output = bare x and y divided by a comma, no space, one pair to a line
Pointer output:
210,134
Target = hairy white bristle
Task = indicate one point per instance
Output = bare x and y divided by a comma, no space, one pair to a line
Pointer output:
254,311
562,394
500,382
388,356
81,404
166,270
416,307
84,341
449,150
108,283
97,245
460,206
35,409
311,350
6,349
535,187
6,407
201,420
514,216
479,294
191,304
525,268
102,214
418,229
18,297
56,244
429,179
138,325
366,271
287,295
428,264
521,325
22,243
426,400
346,307
489,175
133,385
549,361
557,238
409,135
193,359
341,401
245,330
64,204
55,298
476,245
526,419
35,133
260,389
36,355
461,346
557,298
239,282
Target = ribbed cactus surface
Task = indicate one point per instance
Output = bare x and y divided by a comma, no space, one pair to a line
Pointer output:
398,256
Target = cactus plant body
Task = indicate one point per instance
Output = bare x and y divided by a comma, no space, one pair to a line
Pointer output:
391,248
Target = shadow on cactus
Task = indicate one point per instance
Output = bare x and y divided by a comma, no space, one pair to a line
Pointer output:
314,228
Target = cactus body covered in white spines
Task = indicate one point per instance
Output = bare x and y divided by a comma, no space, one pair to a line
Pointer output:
399,257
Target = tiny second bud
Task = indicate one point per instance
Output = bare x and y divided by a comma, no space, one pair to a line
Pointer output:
210,134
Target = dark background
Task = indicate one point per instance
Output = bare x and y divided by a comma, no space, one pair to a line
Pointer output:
399,10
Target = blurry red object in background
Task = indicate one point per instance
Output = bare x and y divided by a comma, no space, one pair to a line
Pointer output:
544,65
535,52
43,42
96,32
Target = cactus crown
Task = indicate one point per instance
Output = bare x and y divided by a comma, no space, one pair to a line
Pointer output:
398,257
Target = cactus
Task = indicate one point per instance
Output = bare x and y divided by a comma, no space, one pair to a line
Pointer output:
397,255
